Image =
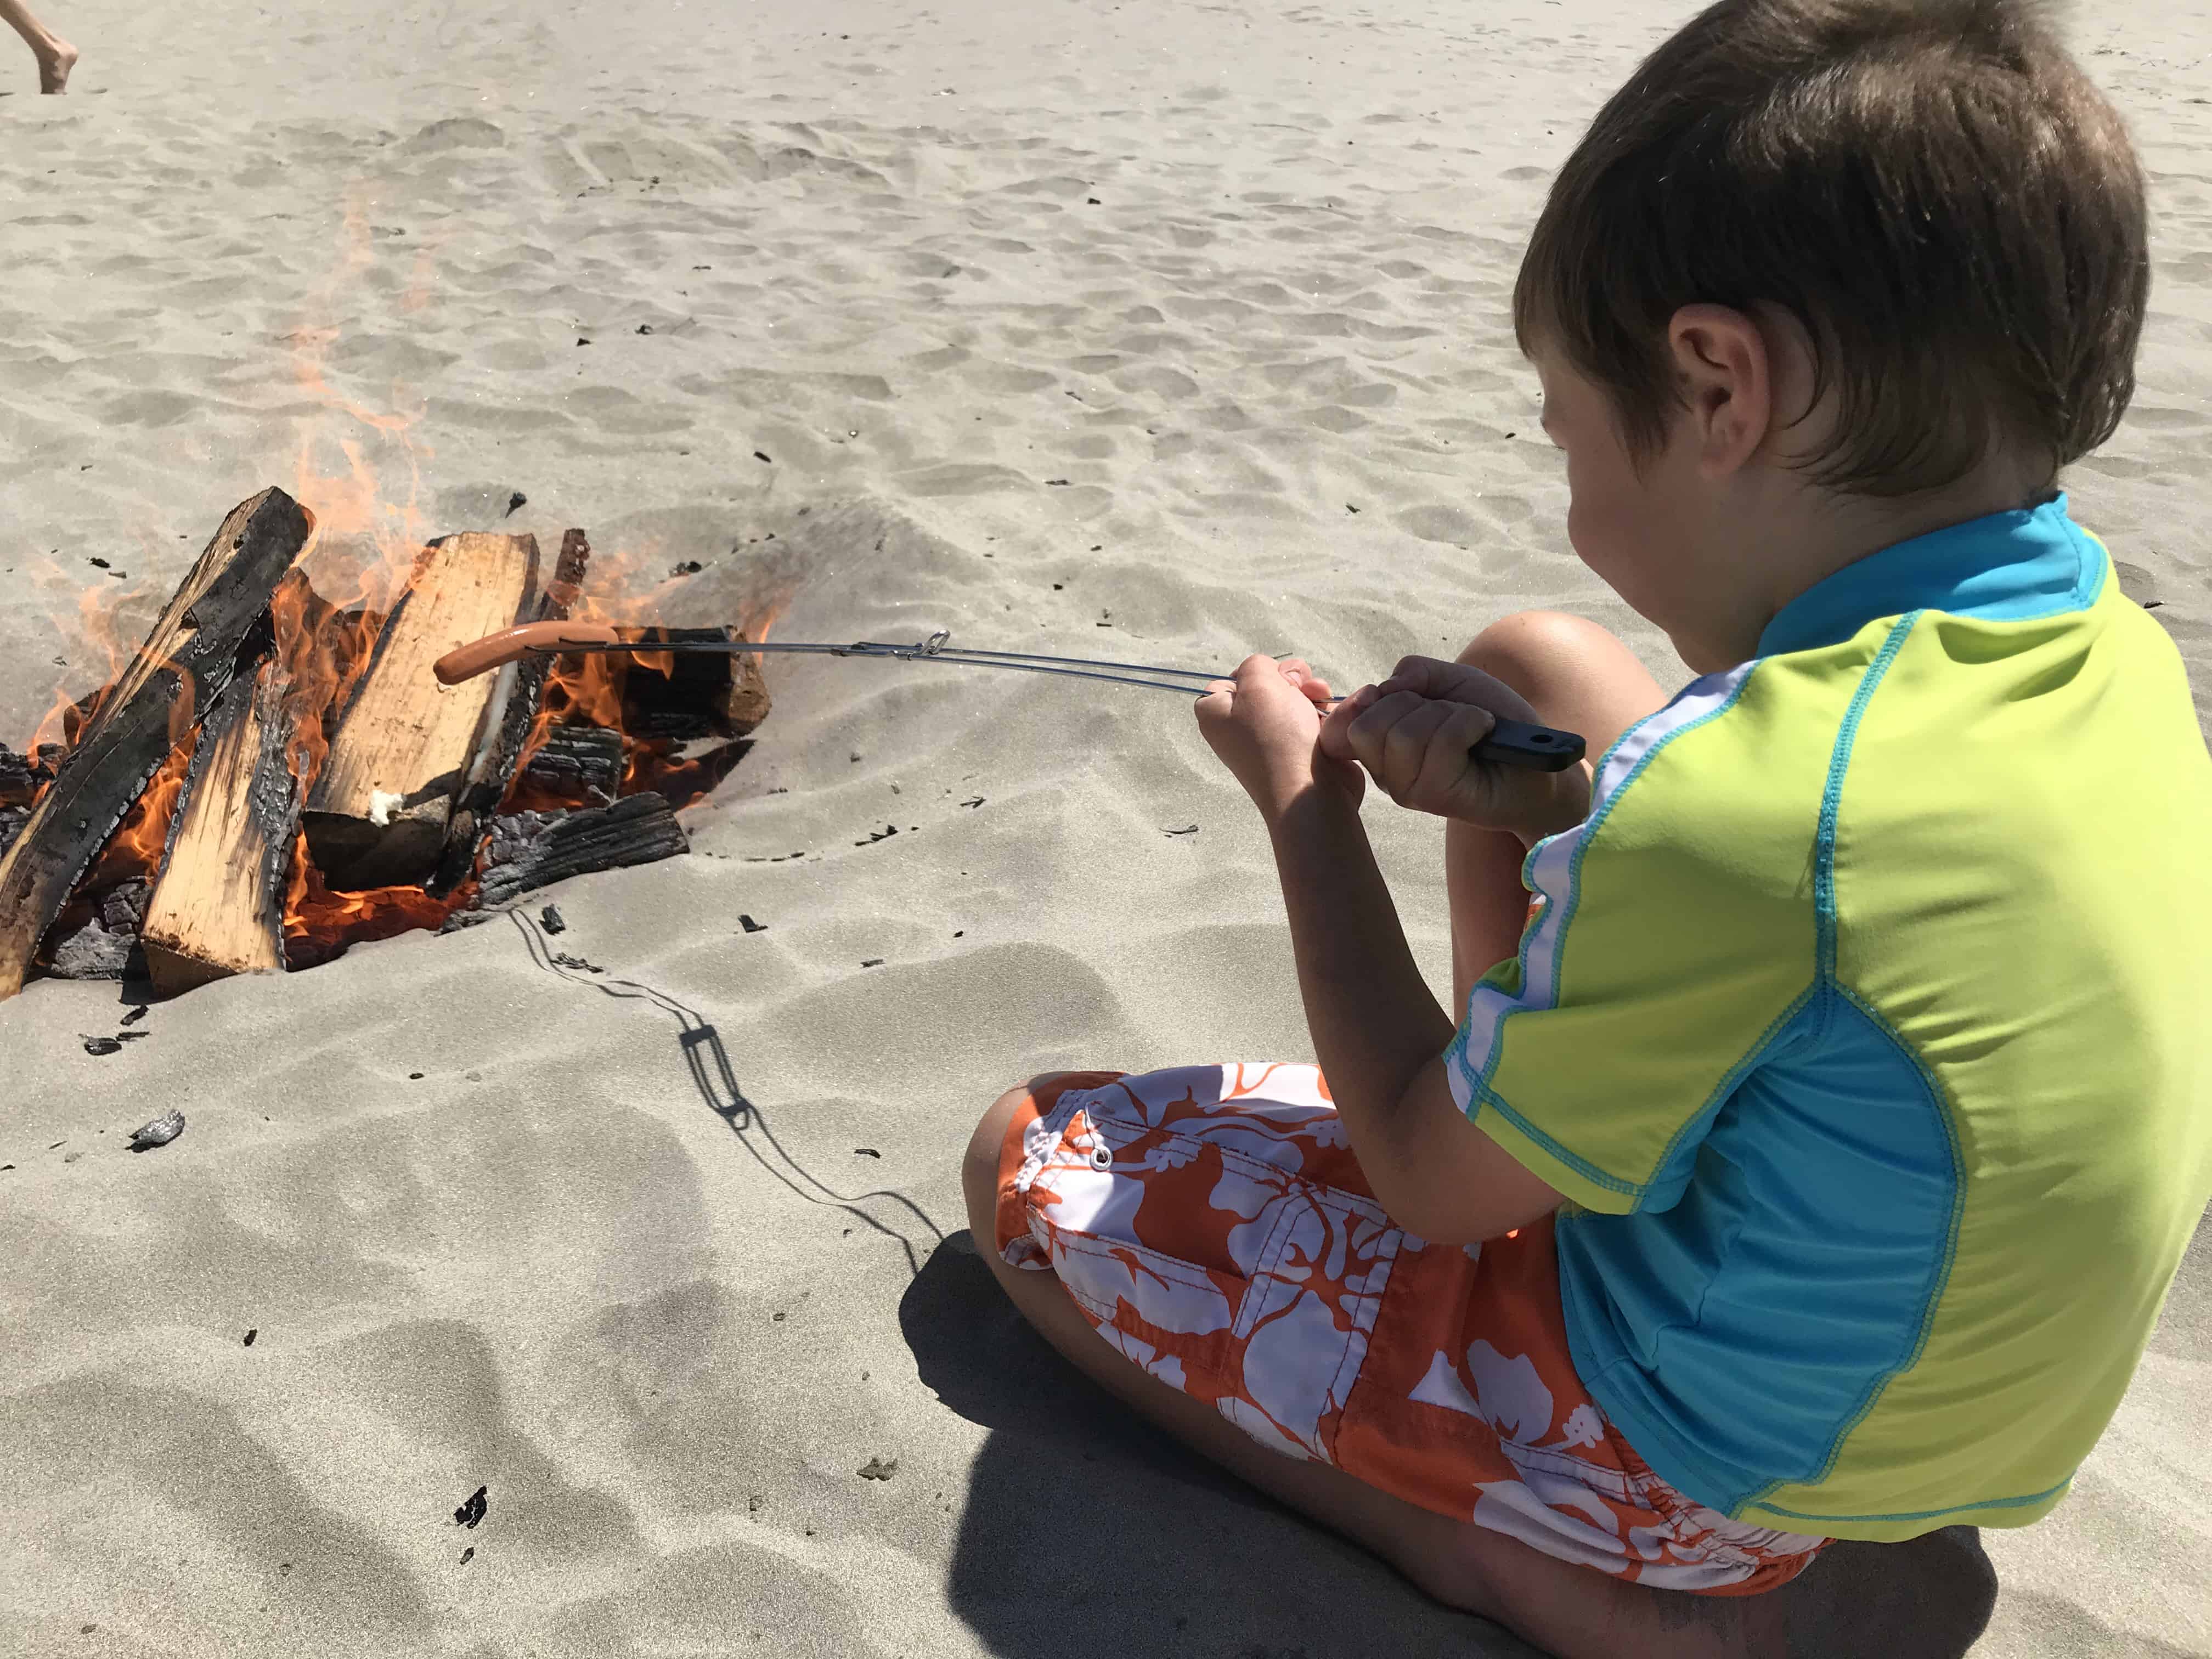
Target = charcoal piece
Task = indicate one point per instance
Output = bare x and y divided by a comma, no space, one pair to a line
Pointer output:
93,1045
159,1132
473,1508
106,946
94,952
551,920
20,777
577,762
530,850
123,909
12,820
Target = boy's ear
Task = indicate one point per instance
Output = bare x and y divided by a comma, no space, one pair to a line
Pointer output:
1725,377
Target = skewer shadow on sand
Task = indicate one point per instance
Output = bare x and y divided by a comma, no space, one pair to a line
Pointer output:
712,1075
1177,1556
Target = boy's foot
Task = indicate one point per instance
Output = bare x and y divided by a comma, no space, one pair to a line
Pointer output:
54,67
1928,1598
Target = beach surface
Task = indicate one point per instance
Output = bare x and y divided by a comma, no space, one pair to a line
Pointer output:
1148,330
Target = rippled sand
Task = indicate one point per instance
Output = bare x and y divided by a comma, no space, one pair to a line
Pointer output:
1150,330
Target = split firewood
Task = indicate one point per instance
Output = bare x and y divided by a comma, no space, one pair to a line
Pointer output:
684,694
379,811
218,903
509,714
530,850
187,659
579,763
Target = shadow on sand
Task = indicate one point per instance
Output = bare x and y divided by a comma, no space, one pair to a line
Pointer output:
1090,1535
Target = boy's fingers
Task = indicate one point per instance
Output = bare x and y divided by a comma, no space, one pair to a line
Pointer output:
1405,748
1390,756
1336,727
1445,766
1425,675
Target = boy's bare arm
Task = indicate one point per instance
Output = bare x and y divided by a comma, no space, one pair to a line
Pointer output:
1380,1036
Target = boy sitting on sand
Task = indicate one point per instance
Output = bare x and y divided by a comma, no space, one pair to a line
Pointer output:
1815,1167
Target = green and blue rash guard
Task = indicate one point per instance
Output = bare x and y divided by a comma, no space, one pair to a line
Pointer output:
1863,1025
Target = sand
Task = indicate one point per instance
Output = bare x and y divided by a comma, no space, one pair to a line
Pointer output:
1145,330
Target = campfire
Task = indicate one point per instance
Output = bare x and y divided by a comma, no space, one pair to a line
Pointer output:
272,777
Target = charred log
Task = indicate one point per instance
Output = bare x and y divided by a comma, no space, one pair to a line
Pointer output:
381,810
218,904
509,717
188,657
530,850
686,695
577,763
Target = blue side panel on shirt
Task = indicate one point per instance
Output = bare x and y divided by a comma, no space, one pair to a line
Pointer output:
1830,1164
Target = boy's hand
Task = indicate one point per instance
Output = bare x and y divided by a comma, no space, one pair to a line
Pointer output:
1413,732
1264,724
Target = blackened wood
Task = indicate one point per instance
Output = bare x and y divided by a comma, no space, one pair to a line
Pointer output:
686,695
20,777
379,812
580,762
218,904
187,659
106,946
530,850
508,717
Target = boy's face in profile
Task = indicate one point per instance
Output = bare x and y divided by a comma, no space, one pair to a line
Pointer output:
1634,528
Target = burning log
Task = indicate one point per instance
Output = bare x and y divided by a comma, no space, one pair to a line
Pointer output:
694,694
187,659
218,906
381,811
579,762
530,850
508,717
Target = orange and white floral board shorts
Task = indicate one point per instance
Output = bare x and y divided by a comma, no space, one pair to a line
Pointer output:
1212,1224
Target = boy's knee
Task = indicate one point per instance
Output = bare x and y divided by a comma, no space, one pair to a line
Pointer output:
1535,645
979,1166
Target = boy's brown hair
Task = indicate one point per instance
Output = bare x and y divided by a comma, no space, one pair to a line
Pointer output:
1933,187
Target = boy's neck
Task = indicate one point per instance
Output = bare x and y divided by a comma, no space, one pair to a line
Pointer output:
1785,536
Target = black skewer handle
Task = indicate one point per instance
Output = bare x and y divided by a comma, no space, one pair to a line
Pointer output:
1539,748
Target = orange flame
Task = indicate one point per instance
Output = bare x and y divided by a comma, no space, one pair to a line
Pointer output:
327,614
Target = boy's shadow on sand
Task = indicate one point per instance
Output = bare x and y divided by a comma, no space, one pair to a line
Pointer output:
1089,1534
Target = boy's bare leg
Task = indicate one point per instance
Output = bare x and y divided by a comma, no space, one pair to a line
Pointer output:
56,57
1580,678
1927,1600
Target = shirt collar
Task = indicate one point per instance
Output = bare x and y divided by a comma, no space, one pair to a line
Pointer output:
2008,567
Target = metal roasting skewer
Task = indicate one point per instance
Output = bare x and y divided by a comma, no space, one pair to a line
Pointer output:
1510,742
